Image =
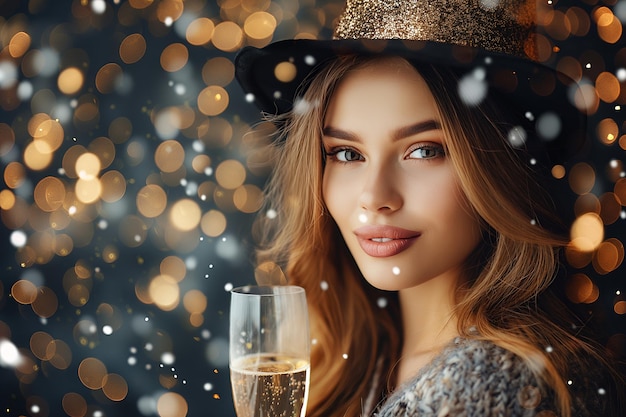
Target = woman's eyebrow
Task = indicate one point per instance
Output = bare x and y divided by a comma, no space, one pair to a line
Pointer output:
400,133
417,128
336,133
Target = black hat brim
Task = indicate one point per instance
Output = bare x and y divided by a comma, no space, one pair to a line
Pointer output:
533,87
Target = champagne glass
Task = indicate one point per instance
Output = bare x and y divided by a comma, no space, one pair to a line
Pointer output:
269,351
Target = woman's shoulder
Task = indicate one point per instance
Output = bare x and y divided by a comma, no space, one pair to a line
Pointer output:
473,377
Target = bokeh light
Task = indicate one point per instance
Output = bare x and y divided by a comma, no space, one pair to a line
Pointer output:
132,174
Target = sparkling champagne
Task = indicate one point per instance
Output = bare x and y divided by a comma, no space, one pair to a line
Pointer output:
269,385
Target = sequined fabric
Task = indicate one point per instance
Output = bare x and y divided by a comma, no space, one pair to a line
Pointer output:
505,26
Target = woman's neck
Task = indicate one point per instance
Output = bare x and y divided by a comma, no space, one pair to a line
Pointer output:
428,322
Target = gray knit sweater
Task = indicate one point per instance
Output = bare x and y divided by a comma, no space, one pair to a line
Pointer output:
472,378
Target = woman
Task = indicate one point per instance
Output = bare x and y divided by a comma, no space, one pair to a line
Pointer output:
415,218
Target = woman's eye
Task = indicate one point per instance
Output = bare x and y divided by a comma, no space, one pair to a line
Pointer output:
427,152
345,155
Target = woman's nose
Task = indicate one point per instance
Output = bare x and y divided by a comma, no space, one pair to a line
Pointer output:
380,190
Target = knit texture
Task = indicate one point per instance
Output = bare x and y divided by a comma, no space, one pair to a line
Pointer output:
474,378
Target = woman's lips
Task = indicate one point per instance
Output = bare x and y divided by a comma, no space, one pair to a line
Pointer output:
384,241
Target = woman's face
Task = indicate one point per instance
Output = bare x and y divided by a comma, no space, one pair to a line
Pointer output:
388,183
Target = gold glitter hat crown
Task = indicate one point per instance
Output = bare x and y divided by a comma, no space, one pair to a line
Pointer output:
492,38
505,26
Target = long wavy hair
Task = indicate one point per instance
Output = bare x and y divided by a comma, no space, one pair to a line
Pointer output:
356,329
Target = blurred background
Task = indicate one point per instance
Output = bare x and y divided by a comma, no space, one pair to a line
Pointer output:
129,190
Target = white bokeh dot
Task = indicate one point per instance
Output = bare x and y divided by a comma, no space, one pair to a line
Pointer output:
9,354
18,238
549,126
168,358
271,214
98,6
473,87
25,90
517,136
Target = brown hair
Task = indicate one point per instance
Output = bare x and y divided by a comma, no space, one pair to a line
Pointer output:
356,341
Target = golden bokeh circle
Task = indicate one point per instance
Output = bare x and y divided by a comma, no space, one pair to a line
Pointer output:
70,80
91,373
582,178
201,163
608,131
260,25
172,404
230,174
227,36
609,256
213,223
14,174
88,166
200,31
213,100
74,405
19,44
587,232
608,87
132,48
174,267
46,303
169,156
35,159
248,198
114,387
7,200
113,186
185,214
47,134
104,149
218,71
24,291
195,302
151,200
62,357
174,57
578,288
39,345
107,77
285,71
88,191
164,292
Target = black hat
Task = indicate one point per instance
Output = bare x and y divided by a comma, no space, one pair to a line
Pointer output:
489,43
